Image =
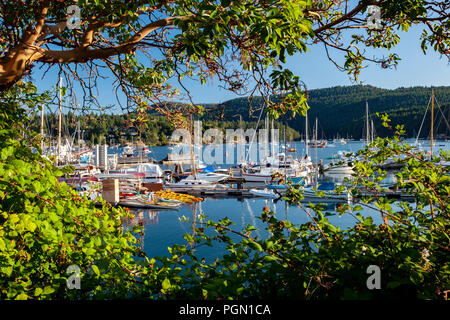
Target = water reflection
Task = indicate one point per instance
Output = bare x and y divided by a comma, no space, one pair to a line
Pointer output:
142,218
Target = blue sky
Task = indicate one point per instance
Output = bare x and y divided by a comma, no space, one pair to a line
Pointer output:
415,69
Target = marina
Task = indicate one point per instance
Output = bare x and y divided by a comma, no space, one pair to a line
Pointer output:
230,181
132,175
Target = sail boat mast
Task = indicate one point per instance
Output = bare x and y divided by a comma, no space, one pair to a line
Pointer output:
306,133
59,122
372,130
79,142
367,123
285,152
272,138
192,152
432,116
315,141
42,128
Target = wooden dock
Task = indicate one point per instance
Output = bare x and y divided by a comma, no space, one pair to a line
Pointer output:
215,193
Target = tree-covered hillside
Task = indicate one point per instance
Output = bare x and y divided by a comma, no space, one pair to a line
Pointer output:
341,110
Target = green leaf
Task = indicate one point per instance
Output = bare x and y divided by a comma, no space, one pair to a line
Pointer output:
166,284
38,292
96,270
22,296
48,290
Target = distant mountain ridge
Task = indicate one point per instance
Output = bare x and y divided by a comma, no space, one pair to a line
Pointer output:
341,110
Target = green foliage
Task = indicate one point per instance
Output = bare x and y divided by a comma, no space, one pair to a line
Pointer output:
45,226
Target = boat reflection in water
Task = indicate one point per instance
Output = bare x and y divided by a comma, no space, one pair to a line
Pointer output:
142,218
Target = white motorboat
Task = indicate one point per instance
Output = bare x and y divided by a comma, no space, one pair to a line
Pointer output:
339,169
330,196
266,193
152,173
341,164
260,176
209,176
191,183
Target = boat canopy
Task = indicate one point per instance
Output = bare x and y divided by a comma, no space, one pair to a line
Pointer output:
208,169
326,186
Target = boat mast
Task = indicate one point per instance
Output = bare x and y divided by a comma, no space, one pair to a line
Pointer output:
59,122
192,152
306,133
285,153
42,128
242,141
79,142
432,116
372,131
272,146
266,137
367,123
317,127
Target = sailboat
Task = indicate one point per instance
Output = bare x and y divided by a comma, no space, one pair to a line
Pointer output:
193,181
316,143
369,129
276,166
341,165
417,143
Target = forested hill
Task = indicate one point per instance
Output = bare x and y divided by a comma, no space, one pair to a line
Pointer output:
341,110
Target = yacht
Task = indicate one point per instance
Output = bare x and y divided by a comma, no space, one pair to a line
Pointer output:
191,183
340,164
275,168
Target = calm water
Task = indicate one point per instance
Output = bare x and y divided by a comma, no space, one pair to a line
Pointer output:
163,228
